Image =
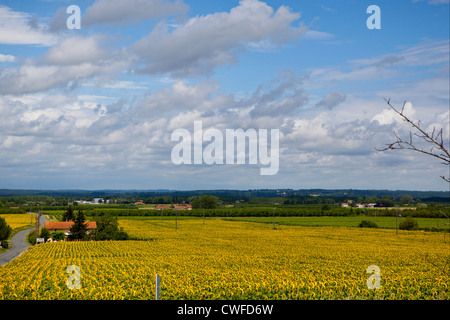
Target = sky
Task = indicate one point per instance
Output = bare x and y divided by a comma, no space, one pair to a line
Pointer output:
95,107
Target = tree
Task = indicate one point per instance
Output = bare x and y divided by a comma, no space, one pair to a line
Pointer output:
108,229
372,199
386,201
435,148
5,230
44,234
205,202
69,215
406,199
78,231
408,224
434,140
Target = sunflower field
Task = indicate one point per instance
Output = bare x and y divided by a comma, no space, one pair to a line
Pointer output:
218,259
19,220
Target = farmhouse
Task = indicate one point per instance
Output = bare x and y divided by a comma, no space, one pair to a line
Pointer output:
350,203
175,207
64,226
182,207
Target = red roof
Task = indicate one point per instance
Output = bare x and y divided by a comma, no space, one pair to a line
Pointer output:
180,207
63,225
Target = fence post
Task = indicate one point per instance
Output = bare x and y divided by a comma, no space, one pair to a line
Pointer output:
158,281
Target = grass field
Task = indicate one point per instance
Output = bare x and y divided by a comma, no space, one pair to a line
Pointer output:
351,221
234,260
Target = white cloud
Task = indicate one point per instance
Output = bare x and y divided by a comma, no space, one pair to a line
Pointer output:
7,58
389,116
179,97
386,67
317,35
206,42
331,100
16,29
70,109
429,53
120,12
65,65
85,137
76,50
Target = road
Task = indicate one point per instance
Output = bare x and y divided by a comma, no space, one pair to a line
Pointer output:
18,245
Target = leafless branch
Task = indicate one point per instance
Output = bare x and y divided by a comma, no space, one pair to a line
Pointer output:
436,139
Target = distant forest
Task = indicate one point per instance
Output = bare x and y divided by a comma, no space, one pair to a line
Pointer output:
229,196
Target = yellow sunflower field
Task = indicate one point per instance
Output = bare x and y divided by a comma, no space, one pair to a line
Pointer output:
219,259
19,220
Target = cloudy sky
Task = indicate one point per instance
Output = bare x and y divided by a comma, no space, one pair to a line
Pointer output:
95,108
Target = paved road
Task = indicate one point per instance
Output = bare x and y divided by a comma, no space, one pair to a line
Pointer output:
18,245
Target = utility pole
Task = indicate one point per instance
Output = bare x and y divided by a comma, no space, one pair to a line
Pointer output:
176,219
38,217
274,218
396,218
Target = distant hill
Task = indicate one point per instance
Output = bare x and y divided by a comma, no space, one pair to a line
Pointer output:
437,196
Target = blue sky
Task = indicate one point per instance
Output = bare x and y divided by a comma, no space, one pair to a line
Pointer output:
95,108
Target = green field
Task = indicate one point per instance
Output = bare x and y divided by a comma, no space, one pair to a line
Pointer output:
435,224
352,221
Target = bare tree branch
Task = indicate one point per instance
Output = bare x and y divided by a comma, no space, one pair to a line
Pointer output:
436,139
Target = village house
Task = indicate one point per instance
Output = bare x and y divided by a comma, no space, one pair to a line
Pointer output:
64,226
358,205
182,207
175,207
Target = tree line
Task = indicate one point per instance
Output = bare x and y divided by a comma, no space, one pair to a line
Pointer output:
324,210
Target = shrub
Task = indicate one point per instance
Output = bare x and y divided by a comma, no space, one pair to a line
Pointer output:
367,224
58,235
31,237
408,224
44,234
